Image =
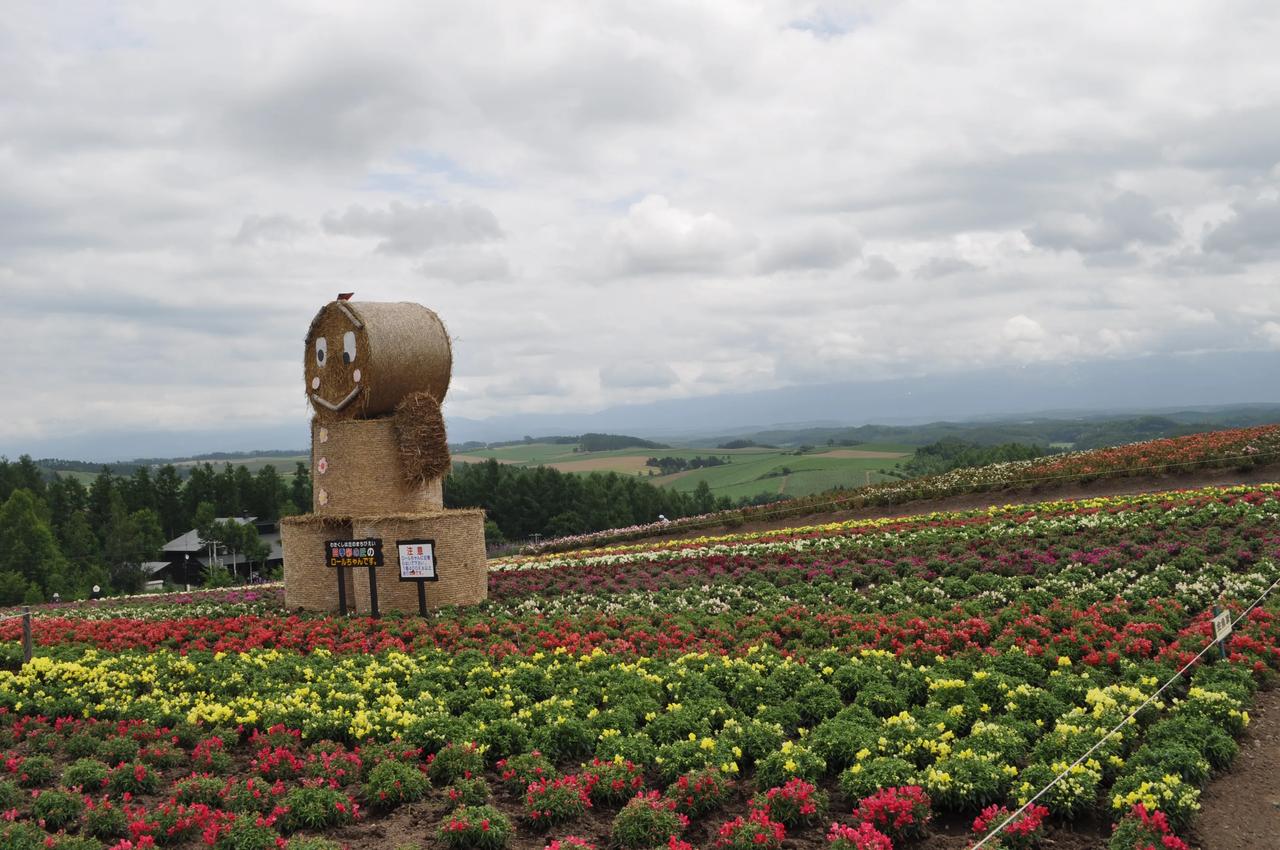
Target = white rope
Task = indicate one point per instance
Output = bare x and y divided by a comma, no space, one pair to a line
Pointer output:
1119,725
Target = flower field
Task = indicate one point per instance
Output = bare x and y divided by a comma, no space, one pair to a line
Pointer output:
865,684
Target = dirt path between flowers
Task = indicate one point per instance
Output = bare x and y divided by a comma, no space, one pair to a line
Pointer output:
1072,490
1241,809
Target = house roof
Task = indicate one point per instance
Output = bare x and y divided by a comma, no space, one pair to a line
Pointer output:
192,542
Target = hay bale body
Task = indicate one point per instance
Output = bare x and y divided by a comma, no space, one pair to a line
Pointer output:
357,470
308,583
460,560
394,349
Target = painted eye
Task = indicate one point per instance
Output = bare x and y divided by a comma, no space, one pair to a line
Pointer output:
321,351
349,347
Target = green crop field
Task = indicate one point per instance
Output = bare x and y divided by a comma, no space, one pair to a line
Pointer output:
750,471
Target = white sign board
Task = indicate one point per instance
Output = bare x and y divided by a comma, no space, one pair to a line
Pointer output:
1221,625
417,560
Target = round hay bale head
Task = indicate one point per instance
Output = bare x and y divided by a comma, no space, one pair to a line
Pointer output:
364,357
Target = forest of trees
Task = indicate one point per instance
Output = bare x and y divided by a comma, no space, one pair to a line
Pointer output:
521,502
948,454
670,465
60,536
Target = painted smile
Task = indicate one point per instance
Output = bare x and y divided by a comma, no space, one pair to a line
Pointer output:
335,407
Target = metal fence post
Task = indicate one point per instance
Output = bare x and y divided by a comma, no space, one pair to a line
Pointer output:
26,634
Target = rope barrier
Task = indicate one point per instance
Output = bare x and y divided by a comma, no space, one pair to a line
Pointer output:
1122,723
947,490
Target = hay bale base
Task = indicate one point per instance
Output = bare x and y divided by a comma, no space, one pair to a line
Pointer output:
460,560
356,470
308,583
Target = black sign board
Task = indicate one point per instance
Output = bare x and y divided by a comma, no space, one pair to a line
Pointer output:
353,553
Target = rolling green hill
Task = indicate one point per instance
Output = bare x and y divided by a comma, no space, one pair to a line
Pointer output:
749,472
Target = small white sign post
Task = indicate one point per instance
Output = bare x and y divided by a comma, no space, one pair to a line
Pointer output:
1221,628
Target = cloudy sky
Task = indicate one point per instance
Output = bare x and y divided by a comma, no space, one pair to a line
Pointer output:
622,201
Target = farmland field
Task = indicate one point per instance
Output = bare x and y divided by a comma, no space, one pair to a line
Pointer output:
750,471
893,677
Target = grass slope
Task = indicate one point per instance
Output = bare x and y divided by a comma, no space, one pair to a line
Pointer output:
750,472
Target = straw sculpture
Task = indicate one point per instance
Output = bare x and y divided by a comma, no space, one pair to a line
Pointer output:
376,374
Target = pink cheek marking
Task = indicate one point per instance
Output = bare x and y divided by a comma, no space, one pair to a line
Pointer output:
355,376
315,383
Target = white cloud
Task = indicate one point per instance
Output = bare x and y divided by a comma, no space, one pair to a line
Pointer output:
409,230
635,374
658,237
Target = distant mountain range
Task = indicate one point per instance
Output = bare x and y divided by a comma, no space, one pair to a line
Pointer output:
1057,390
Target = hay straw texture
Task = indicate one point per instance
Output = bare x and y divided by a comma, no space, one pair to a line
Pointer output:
375,354
308,583
424,445
357,470
460,560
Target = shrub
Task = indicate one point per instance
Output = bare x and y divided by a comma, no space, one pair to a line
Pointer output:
518,771
1165,792
86,774
838,741
468,792
570,842
902,813
247,832
646,821
316,807
133,777
790,761
1074,795
21,836
966,782
551,801
864,836
475,828
1022,833
638,748
175,823
502,737
1174,757
75,842
34,771
10,795
251,795
1140,829
117,749
299,843
211,756
565,739
162,754
754,832
103,819
817,701
198,789
57,809
798,803
613,781
454,762
82,745
699,791
393,782
867,776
